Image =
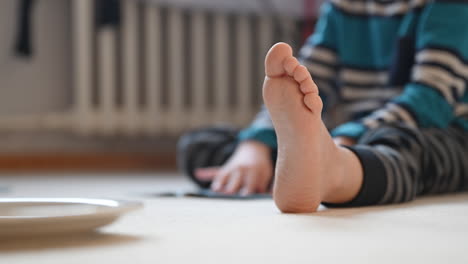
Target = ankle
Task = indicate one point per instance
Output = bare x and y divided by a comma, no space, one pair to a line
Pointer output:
333,179
344,178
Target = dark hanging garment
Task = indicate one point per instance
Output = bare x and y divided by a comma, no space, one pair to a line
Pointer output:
309,19
23,45
107,13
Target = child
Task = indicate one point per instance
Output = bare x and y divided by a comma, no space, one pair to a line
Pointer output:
399,68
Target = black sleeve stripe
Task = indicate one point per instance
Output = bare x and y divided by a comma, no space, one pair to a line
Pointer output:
408,110
435,78
458,83
452,1
320,50
444,67
320,70
377,8
421,82
454,52
311,60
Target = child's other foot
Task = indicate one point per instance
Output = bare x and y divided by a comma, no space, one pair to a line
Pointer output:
308,167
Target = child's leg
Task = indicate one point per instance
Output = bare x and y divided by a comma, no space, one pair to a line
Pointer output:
401,163
391,164
310,168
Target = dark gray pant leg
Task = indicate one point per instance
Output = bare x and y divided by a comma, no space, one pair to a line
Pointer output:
401,163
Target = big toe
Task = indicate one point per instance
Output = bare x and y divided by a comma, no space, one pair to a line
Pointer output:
275,58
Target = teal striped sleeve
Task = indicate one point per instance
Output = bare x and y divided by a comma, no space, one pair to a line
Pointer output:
439,74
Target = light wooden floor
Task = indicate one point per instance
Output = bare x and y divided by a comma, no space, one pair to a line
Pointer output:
183,230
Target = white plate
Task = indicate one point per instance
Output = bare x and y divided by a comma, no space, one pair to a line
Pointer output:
49,216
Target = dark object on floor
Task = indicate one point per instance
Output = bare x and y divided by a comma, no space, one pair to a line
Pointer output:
205,193
207,147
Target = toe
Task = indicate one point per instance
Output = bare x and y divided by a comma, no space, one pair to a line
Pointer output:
275,58
308,86
313,102
290,65
301,74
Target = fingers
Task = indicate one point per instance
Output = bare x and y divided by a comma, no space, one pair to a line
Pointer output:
220,180
234,182
262,186
250,184
244,181
229,182
206,174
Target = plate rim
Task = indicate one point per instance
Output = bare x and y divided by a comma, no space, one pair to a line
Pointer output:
121,206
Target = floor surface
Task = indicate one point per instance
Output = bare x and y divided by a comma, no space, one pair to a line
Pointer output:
197,230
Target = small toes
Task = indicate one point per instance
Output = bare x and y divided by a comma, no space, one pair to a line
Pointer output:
308,86
290,64
301,74
313,102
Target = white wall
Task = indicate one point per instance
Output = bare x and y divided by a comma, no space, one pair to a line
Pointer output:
41,83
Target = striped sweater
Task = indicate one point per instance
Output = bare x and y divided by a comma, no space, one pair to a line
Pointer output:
386,61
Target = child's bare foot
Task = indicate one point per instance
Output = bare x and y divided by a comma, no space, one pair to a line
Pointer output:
310,167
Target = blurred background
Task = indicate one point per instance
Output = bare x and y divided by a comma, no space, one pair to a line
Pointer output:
111,85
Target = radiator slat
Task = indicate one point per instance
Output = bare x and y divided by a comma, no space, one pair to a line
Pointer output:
244,70
176,116
221,68
153,84
265,36
130,67
83,66
200,114
288,26
106,50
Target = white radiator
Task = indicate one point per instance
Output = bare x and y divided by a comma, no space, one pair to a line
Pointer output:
164,70
176,69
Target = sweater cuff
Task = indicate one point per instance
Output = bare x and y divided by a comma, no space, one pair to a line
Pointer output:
265,135
352,130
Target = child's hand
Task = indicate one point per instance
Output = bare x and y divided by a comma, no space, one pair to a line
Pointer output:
248,171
